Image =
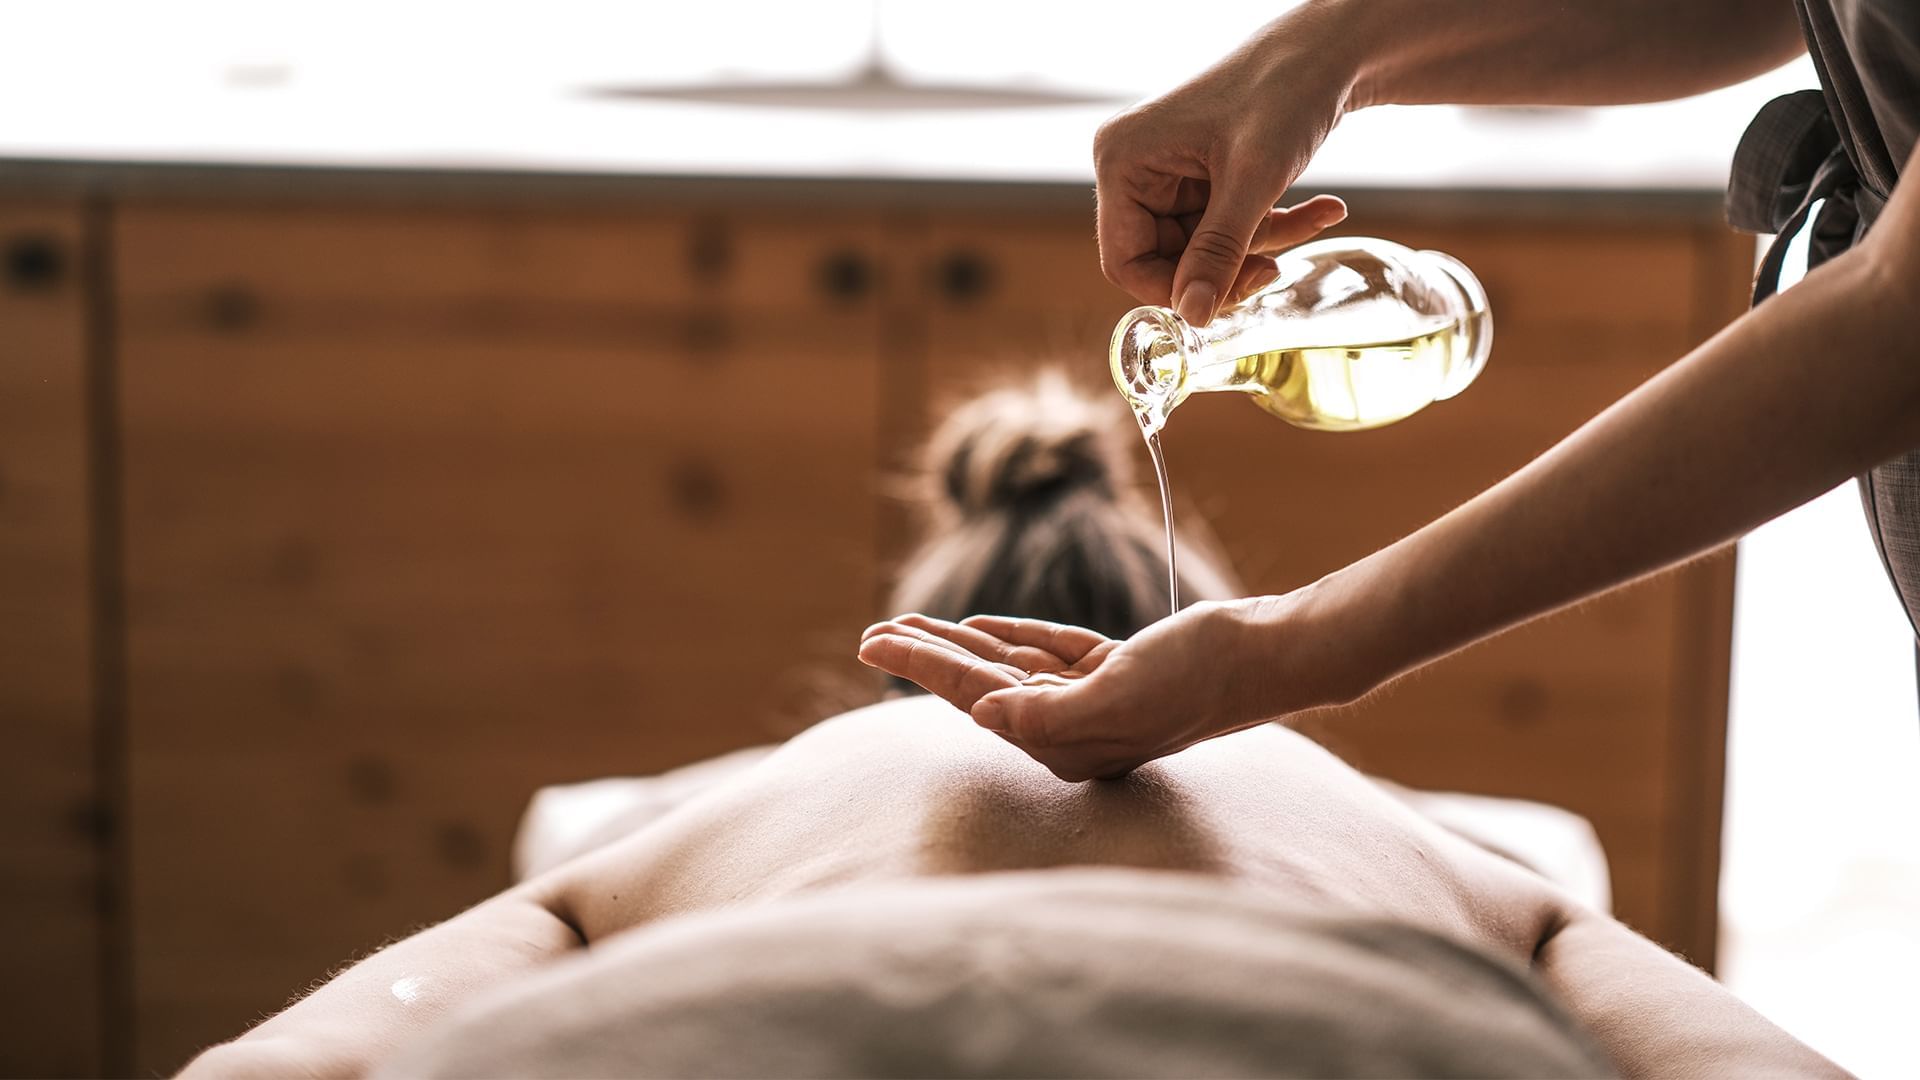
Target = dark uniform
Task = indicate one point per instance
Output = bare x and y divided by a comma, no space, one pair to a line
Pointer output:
1841,147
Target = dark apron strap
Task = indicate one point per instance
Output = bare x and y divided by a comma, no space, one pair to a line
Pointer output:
1790,161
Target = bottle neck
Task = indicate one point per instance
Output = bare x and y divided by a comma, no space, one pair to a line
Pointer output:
1151,357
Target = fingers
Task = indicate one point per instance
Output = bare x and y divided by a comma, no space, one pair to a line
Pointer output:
1143,217
1257,273
1181,235
981,666
1280,229
938,665
1026,658
1131,249
1236,206
1130,205
944,651
1060,721
1283,228
1069,643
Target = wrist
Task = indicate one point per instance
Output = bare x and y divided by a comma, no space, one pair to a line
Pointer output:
1320,49
1375,46
1328,643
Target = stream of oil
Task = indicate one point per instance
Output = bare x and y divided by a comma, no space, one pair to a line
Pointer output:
1152,432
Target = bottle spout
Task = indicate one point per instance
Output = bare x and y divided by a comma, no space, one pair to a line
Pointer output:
1152,352
1473,339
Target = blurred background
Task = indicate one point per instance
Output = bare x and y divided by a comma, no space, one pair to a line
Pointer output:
405,406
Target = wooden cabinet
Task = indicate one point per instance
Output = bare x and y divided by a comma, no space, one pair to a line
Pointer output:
335,523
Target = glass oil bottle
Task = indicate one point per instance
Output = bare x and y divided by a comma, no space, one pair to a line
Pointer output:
1354,333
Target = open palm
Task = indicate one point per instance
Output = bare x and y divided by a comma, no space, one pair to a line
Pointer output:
1080,703
965,661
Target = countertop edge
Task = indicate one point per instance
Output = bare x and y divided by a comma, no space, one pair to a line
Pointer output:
458,184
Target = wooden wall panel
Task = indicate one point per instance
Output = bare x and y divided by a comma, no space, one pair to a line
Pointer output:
52,817
426,509
1610,710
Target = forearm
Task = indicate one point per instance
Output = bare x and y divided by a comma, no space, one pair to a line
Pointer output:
346,1027
1540,52
1655,1015
1820,383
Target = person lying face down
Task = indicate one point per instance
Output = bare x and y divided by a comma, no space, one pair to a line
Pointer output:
898,891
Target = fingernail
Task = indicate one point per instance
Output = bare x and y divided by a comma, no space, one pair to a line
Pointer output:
1196,303
990,715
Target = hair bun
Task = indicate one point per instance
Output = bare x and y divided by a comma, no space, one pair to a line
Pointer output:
1021,446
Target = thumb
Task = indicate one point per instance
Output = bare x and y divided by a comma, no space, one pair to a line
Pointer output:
1217,248
1038,716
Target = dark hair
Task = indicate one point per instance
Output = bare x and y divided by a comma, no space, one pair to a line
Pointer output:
1030,509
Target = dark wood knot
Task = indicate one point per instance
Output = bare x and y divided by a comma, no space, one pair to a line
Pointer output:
965,276
371,779
34,262
846,275
459,845
707,333
697,489
710,250
232,307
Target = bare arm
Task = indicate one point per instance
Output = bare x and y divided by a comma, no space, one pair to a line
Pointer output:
1655,1015
1547,52
353,1022
1818,384
349,1025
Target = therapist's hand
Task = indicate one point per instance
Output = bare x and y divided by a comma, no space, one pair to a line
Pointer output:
1101,707
1187,182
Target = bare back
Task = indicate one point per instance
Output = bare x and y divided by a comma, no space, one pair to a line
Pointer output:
862,805
913,788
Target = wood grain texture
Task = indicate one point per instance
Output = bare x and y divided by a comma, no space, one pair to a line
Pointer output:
52,818
428,509
1615,710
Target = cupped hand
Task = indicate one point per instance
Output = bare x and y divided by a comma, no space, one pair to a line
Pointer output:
1187,182
1084,705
